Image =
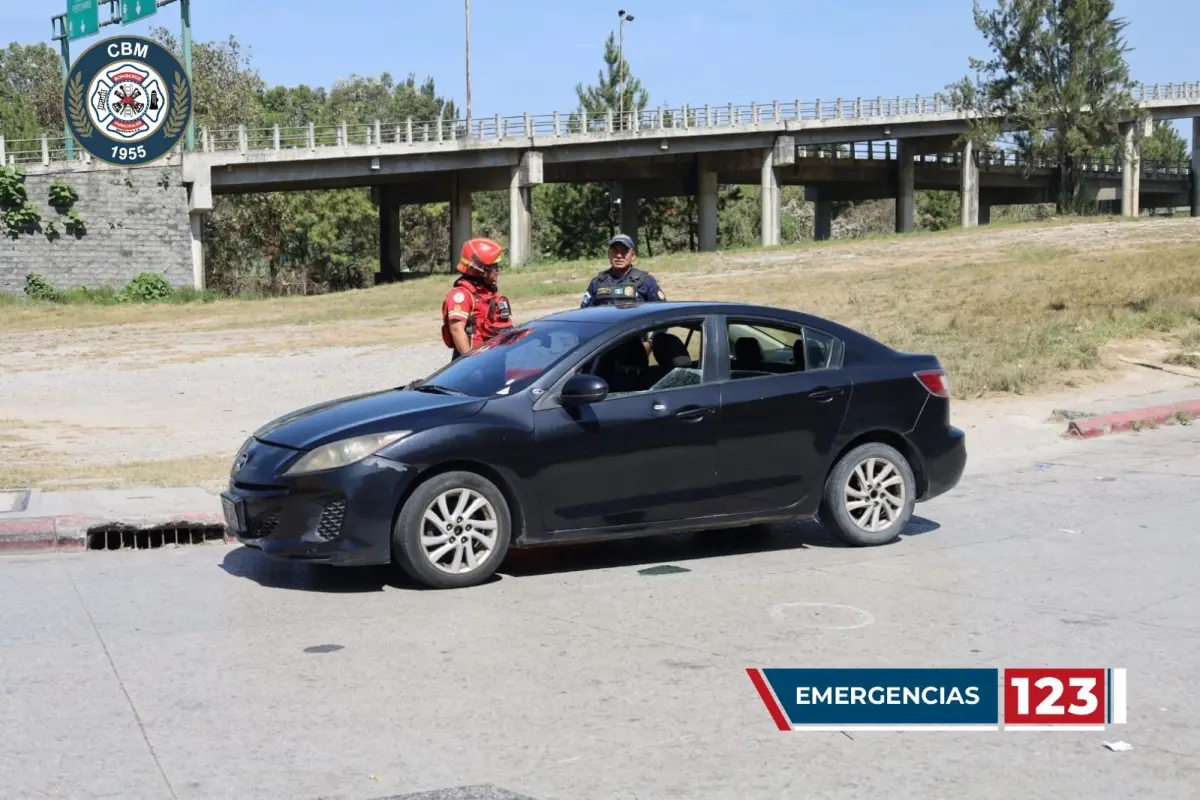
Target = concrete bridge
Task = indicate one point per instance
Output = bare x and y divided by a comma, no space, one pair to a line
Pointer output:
895,146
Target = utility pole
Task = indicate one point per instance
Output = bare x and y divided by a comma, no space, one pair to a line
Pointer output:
468,9
185,18
65,49
621,59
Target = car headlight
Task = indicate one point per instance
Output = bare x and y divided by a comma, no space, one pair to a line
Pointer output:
344,452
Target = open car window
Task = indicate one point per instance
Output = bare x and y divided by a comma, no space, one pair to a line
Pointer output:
759,350
652,360
510,361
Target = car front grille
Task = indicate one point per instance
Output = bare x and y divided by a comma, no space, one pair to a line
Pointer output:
329,526
263,526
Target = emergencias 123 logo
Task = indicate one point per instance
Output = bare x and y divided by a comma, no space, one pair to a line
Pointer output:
127,100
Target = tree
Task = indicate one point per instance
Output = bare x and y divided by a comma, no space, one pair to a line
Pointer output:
31,92
1057,76
606,95
1164,145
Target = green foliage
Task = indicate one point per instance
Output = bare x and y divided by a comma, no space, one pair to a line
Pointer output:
1051,59
937,211
147,287
61,194
16,212
37,288
31,91
606,95
1164,145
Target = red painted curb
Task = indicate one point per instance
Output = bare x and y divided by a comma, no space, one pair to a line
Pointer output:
69,533
1119,421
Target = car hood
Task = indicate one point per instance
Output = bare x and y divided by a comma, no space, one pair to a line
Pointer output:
375,412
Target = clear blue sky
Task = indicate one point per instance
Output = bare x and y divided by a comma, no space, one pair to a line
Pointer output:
527,55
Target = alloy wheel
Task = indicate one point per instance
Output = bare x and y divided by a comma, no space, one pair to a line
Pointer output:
874,494
458,531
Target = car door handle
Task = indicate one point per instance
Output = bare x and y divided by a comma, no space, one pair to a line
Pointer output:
694,414
825,395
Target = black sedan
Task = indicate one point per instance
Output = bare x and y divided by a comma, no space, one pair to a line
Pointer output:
578,427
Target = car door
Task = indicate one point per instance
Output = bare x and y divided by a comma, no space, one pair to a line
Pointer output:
778,419
636,459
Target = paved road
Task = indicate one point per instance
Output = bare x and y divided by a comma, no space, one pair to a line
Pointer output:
206,673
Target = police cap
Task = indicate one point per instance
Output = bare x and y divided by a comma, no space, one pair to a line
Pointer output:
622,240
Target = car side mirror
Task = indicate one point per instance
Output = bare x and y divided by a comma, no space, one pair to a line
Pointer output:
583,389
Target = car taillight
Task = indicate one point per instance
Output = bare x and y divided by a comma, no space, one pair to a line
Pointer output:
936,381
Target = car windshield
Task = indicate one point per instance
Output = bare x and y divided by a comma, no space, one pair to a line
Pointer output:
512,360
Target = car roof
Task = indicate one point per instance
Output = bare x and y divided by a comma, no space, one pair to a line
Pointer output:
611,314
617,314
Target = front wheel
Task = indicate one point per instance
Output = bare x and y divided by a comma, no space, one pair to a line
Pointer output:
869,496
453,532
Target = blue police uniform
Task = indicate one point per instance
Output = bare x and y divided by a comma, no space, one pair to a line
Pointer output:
634,286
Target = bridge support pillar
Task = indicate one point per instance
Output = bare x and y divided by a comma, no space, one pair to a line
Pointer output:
1195,170
200,202
197,227
527,174
822,219
906,176
968,190
461,208
628,209
706,204
390,246
783,154
1130,172
985,213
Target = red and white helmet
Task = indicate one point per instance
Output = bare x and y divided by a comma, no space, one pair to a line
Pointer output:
481,259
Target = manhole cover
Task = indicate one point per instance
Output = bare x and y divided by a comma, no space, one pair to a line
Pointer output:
827,616
664,569
13,501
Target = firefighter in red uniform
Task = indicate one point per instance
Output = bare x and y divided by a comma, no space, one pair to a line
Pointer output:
474,310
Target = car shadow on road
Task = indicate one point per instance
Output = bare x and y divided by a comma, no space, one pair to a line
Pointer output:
250,564
682,547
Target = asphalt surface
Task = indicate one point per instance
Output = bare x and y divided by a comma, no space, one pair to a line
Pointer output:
207,672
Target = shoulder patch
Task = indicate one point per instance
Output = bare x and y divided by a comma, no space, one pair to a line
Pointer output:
661,296
459,297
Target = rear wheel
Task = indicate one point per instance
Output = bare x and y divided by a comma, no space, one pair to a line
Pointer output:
453,532
869,495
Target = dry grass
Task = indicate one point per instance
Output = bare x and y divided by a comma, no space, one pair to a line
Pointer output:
41,470
1008,309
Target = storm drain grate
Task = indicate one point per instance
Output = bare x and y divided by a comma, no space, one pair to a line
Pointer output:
128,537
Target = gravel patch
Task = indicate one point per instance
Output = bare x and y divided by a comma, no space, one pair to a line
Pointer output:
194,409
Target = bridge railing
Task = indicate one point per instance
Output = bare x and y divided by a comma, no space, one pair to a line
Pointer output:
245,138
992,159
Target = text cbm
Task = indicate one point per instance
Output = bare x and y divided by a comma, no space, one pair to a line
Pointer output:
128,49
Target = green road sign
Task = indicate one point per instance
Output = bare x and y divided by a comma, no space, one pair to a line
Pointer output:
133,10
83,18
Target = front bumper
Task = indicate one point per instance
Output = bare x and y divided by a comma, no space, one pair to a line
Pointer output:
341,517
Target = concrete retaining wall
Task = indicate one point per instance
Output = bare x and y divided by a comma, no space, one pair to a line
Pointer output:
136,220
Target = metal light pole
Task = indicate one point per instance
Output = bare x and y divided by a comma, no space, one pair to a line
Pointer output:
621,59
185,18
468,8
65,48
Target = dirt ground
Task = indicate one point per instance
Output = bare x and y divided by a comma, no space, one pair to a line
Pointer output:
168,401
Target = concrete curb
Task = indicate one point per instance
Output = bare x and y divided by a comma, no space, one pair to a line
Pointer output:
69,533
1119,421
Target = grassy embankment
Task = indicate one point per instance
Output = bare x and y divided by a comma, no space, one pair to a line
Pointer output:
1007,308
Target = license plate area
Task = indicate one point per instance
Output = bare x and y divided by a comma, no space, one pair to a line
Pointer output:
235,514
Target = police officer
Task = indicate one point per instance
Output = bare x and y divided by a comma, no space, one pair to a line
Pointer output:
622,281
474,310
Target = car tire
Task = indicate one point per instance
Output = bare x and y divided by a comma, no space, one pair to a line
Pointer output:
842,511
415,546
